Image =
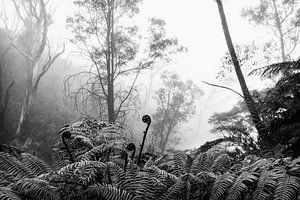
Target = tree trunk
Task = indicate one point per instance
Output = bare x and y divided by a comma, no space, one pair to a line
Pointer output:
247,96
278,26
27,99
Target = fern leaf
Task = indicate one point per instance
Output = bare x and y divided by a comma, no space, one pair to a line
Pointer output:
164,177
221,186
35,189
6,178
258,166
8,194
36,165
265,186
222,164
108,192
176,191
82,173
274,69
12,165
200,164
288,188
240,187
179,163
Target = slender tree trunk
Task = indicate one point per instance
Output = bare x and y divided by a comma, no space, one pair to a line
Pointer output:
109,67
247,96
281,37
27,99
4,95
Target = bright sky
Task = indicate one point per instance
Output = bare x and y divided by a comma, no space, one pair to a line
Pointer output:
197,26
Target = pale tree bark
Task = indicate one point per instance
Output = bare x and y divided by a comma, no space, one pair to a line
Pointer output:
252,107
279,28
35,19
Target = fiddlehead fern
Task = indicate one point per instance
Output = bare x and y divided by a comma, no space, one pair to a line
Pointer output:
146,119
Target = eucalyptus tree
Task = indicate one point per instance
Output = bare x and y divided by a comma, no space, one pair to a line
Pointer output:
31,20
282,19
115,50
176,104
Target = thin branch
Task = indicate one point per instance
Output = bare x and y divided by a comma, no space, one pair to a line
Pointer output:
224,87
47,66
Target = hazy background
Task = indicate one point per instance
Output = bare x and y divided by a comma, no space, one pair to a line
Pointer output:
197,26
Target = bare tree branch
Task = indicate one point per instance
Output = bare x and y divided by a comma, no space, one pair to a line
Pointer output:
224,87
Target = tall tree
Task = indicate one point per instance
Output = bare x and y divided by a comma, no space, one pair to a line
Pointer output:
252,107
282,18
176,103
114,50
4,89
33,20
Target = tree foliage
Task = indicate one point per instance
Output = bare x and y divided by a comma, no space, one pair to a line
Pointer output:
282,19
114,50
176,104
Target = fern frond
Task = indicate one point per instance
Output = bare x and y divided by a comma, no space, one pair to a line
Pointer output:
131,179
36,165
266,185
95,153
164,177
59,159
200,163
6,178
221,186
288,188
108,192
151,188
222,164
176,191
82,173
116,171
179,164
275,69
35,189
240,186
8,194
258,166
12,165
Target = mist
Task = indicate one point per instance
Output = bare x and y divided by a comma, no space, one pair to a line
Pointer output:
195,25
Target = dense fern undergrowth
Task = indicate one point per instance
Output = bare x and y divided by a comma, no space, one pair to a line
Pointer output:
92,161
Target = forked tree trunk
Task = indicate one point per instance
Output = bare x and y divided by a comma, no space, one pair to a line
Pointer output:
247,96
